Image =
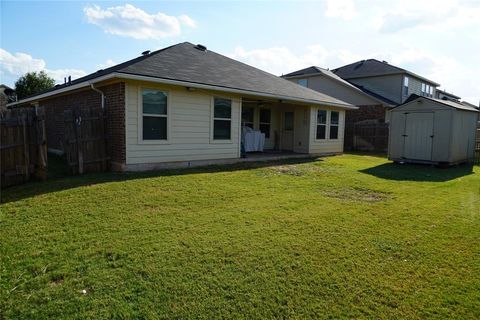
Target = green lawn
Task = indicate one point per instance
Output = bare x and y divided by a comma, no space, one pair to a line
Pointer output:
350,236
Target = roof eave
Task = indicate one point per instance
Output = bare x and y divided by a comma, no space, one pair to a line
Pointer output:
128,76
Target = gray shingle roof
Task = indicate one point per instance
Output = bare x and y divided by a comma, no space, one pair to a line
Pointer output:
450,103
183,62
371,68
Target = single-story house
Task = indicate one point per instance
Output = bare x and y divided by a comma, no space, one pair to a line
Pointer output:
430,130
371,106
185,105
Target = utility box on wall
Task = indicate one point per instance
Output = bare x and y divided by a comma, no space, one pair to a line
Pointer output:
428,130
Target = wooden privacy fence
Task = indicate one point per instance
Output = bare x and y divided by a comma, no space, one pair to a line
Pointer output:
86,140
370,136
22,145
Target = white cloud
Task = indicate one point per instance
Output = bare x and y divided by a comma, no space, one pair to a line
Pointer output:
20,63
344,9
133,22
280,60
107,64
436,15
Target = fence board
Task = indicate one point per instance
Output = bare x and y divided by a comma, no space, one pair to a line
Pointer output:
85,140
23,139
370,136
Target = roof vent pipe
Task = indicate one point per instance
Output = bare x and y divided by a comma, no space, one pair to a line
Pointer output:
69,80
146,52
200,47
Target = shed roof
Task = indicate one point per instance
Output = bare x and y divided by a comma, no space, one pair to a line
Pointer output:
372,68
189,64
449,103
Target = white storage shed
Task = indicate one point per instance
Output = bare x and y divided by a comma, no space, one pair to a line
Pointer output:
428,130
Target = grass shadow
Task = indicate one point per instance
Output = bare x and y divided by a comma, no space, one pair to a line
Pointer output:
59,180
417,172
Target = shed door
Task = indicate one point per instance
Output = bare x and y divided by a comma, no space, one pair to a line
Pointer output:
418,136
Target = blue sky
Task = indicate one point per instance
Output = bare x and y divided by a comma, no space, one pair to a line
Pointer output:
437,39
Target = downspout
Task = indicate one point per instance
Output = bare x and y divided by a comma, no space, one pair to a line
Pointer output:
101,92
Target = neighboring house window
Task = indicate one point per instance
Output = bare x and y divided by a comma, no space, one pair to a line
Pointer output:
265,121
427,90
405,86
334,121
154,114
222,119
303,82
247,117
321,124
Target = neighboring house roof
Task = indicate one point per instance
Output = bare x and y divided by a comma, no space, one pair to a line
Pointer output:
314,70
4,86
376,95
457,105
448,94
188,65
373,68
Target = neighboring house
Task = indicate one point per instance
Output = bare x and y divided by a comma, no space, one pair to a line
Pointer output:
6,96
442,94
184,105
390,82
370,106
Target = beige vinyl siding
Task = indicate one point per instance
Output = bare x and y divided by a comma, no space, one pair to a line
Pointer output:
326,146
189,130
301,129
337,90
388,86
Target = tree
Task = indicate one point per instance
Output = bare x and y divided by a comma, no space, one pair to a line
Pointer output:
32,83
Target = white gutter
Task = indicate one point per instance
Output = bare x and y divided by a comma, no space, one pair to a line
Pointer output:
180,83
99,91
62,90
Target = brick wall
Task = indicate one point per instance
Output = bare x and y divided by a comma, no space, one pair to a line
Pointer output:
365,112
115,108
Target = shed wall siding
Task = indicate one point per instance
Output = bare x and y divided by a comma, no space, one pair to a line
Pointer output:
190,125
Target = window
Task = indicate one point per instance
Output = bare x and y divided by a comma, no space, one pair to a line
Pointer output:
405,86
321,124
247,117
154,114
334,121
303,82
330,119
265,120
222,119
427,90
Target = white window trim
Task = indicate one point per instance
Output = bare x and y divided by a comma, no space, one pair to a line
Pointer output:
327,129
269,123
329,118
212,120
328,124
141,114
